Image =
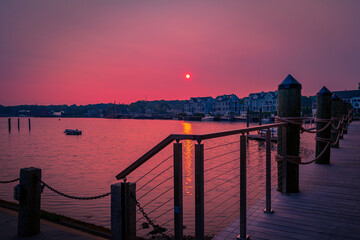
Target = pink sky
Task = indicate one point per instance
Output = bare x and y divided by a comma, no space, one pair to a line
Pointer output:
82,52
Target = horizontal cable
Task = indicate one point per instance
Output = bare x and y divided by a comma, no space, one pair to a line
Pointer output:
222,164
219,185
221,145
171,209
232,196
155,187
221,174
158,196
154,168
154,178
220,155
161,206
208,201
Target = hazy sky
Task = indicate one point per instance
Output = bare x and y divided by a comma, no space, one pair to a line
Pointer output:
81,52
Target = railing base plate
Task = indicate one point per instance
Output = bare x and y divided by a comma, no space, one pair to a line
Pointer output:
270,211
242,238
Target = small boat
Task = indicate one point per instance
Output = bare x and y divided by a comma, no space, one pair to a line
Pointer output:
208,118
72,132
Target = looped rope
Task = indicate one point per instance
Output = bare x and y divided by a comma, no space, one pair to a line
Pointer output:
291,120
10,181
74,197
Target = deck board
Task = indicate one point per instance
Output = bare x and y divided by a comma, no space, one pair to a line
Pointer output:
327,206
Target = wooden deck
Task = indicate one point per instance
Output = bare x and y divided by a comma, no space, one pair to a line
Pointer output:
328,206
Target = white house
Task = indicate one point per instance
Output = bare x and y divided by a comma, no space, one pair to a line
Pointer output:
226,104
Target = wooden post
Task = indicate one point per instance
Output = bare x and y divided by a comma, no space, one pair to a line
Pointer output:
29,202
323,111
346,118
18,124
243,188
335,115
29,124
178,192
268,173
199,191
123,211
247,117
289,105
260,115
9,124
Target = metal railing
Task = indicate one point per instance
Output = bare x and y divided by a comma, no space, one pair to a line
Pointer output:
235,158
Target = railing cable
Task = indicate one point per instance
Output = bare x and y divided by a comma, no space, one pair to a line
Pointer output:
154,168
155,187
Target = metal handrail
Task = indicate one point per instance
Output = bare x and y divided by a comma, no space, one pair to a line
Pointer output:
177,137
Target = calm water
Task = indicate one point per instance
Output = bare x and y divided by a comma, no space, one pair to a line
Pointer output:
87,165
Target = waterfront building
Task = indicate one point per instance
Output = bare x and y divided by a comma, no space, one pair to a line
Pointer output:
267,101
227,105
351,96
202,105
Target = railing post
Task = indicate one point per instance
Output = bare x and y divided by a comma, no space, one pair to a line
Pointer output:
243,188
29,202
247,117
335,115
123,211
178,191
323,111
289,105
260,115
199,191
268,173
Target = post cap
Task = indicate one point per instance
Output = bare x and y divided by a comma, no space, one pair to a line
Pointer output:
335,97
289,82
324,92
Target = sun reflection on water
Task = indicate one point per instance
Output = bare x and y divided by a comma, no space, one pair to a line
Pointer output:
188,168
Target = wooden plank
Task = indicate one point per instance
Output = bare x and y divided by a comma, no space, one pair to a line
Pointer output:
327,207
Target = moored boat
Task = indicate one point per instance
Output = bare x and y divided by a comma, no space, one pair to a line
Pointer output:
72,132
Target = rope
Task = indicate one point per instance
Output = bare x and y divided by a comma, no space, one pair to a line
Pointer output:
74,197
10,181
297,160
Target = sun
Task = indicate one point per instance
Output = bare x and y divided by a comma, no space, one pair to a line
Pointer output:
187,76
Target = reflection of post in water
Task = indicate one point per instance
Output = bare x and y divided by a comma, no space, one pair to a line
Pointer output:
188,169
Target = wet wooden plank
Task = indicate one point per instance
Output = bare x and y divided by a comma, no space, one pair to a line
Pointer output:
327,207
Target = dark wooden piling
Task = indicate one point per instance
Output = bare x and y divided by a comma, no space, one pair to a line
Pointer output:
29,124
29,202
323,115
345,112
247,117
178,192
335,115
199,191
260,116
123,211
289,105
9,124
18,124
